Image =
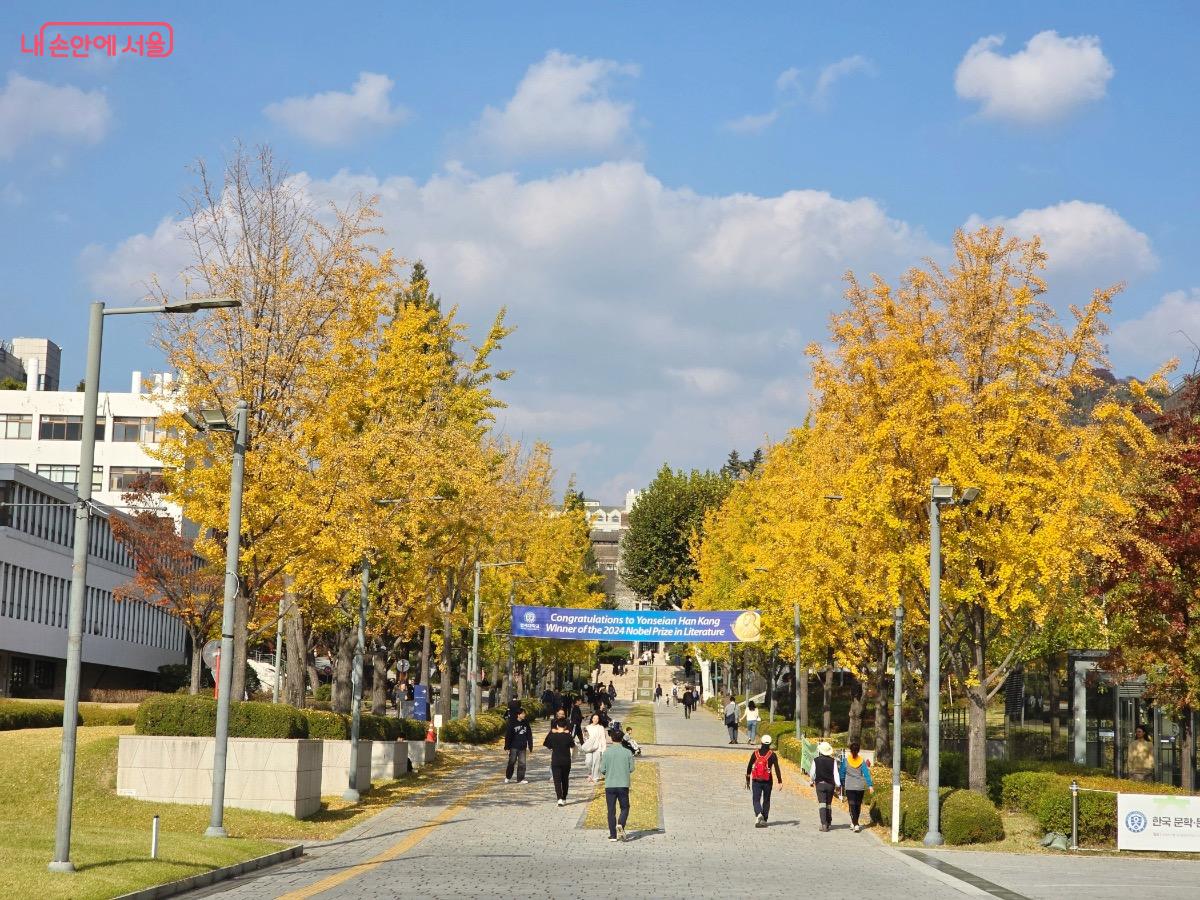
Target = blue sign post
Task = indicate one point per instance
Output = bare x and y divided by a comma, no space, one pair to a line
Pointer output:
421,702
688,625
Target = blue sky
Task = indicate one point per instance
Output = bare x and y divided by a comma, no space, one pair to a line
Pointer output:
664,195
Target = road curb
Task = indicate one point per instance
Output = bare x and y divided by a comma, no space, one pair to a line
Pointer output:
204,879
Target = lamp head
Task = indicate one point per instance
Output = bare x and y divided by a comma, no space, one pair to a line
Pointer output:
969,495
191,306
942,493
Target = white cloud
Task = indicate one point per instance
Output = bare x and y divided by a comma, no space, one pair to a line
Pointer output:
653,322
561,106
126,271
32,109
1089,245
1170,328
336,117
790,90
1049,79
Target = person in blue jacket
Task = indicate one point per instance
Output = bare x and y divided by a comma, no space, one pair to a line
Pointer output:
855,773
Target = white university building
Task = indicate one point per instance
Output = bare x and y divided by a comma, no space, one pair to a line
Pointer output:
123,643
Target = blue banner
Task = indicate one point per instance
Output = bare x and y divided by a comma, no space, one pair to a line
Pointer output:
687,626
421,702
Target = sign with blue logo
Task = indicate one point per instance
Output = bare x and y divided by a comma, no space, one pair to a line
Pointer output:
421,702
688,625
1158,822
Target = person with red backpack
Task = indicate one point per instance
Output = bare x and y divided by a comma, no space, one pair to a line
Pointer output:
758,779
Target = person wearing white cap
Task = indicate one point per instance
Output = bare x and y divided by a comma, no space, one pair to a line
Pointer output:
823,775
758,777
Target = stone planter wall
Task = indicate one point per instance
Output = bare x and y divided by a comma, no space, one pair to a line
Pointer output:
389,759
335,767
279,776
421,753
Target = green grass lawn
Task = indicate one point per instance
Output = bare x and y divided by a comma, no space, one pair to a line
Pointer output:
643,801
641,717
111,835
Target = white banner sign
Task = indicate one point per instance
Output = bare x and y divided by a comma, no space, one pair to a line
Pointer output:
1158,822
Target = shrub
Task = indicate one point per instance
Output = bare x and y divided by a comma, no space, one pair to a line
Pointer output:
195,716
323,692
1097,813
1023,790
174,677
19,714
99,714
970,818
488,727
327,726
101,695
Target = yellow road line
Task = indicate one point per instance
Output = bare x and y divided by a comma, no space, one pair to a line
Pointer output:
413,838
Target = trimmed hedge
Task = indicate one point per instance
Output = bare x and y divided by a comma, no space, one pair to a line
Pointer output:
970,818
22,714
184,715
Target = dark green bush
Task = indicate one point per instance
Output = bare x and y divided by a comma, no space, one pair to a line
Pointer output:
195,716
21,714
327,726
174,677
488,727
1023,791
970,818
1097,813
323,692
100,714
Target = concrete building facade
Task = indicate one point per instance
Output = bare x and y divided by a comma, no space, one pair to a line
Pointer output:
609,525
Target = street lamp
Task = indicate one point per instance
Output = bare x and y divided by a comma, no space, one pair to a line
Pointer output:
474,662
939,495
215,420
897,691
79,560
352,792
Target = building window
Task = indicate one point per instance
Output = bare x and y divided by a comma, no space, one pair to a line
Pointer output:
18,676
137,429
68,475
122,478
65,428
43,674
16,426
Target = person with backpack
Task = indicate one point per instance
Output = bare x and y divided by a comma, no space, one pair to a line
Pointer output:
561,745
731,719
823,776
518,741
688,700
758,779
855,772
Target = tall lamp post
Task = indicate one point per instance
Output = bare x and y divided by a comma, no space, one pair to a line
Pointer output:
214,420
87,456
897,693
939,495
353,793
474,661
796,671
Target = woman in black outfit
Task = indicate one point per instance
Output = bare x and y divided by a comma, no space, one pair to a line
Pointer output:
561,744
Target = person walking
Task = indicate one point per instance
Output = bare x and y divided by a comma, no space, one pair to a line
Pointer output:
1139,761
593,747
612,693
688,699
657,692
731,719
518,741
758,779
752,717
675,694
824,777
561,745
855,772
577,720
617,768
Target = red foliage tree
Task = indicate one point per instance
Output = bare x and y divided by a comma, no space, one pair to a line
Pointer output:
1153,599
170,574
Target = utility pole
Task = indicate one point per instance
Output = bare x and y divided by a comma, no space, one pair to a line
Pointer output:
897,692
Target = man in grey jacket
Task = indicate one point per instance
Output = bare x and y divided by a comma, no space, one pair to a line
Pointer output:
617,768
731,719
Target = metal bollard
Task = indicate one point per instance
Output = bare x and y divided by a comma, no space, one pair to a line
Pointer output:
154,839
1074,814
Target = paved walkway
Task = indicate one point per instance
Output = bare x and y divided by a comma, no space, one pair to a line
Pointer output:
477,837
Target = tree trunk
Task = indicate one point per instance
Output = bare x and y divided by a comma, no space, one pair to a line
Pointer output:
1187,763
1053,689
378,682
803,698
197,663
857,702
827,699
444,673
464,683
297,655
494,685
883,744
977,739
237,690
343,665
424,673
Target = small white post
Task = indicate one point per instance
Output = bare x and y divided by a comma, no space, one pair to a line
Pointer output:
154,839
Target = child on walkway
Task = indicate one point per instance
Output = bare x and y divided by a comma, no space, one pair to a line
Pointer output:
617,768
518,740
855,774
561,744
824,777
758,779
